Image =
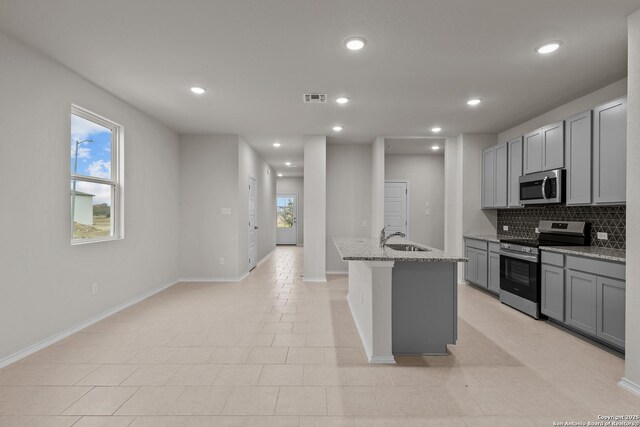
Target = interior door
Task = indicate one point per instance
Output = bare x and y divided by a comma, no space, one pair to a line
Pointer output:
286,219
395,207
253,224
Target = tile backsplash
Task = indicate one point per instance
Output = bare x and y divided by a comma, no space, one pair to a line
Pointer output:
608,219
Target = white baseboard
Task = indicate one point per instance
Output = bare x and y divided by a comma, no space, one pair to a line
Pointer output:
213,279
314,279
337,272
387,360
630,386
80,326
264,258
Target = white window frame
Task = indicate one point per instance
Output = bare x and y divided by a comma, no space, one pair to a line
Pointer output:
116,181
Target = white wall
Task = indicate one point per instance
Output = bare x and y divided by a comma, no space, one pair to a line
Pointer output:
46,282
252,165
584,103
208,183
377,187
632,359
425,174
315,209
294,185
348,197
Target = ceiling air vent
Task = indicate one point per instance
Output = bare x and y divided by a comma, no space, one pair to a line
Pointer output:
315,98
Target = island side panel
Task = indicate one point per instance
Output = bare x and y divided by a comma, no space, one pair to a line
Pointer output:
424,304
360,302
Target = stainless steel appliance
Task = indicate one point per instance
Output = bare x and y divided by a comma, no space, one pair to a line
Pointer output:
542,187
520,262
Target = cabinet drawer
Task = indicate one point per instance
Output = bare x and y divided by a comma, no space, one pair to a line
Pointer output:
594,266
494,247
478,244
553,258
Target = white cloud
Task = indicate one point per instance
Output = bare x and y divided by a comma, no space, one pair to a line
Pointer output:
101,192
99,169
81,128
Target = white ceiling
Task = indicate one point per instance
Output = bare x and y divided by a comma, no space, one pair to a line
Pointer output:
414,146
423,60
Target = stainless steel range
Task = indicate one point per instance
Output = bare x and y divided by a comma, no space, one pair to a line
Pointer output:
520,262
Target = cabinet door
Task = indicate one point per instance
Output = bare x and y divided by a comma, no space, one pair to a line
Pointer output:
578,159
610,152
481,278
514,171
488,177
552,287
533,152
471,266
553,146
501,176
581,301
611,310
494,272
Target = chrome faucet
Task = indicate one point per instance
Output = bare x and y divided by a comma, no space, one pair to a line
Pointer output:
384,237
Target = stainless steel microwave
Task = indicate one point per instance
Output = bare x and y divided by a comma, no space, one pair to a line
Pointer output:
542,187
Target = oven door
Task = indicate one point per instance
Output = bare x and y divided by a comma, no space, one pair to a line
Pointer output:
519,274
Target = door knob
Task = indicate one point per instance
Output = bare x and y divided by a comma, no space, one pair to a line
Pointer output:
255,227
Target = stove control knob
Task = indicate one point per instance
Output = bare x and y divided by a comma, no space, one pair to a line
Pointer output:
506,245
527,249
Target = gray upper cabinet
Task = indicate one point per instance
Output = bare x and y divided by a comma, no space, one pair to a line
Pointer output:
501,176
488,177
514,172
611,310
494,177
610,152
578,159
552,289
581,301
553,146
533,152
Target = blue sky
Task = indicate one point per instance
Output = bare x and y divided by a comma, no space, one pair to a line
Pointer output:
94,158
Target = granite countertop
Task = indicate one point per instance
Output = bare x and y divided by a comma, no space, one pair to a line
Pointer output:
494,238
615,255
368,249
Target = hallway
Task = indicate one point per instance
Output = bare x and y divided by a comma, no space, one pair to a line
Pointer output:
271,350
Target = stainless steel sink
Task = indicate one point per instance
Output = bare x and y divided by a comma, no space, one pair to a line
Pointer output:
406,247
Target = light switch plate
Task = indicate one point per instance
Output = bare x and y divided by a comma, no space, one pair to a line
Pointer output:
603,236
225,211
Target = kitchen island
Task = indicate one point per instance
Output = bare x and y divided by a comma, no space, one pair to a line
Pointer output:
402,302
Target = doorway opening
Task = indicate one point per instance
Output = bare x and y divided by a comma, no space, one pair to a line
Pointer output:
396,214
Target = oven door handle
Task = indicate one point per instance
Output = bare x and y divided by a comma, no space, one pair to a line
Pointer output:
523,257
544,187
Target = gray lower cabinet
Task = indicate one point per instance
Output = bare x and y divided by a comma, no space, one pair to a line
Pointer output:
609,152
514,167
494,272
471,266
481,278
581,301
578,159
611,310
552,288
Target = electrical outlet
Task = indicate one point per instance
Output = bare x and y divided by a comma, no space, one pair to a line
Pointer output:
94,289
505,228
427,212
363,223
537,231
603,236
225,211
221,261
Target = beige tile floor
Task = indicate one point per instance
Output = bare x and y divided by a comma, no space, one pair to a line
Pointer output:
273,351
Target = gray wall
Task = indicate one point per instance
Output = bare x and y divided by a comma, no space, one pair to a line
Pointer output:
294,185
348,197
425,174
46,282
209,183
632,359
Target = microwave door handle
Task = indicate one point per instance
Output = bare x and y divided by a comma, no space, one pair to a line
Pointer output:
544,187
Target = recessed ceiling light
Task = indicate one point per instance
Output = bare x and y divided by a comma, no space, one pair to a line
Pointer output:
548,47
342,100
435,147
198,90
280,175
474,101
355,43
337,128
287,164
436,129
276,144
